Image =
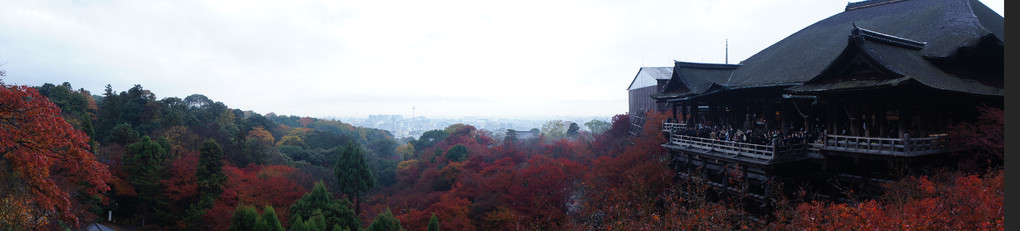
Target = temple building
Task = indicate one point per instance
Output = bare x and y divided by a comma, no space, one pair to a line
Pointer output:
853,100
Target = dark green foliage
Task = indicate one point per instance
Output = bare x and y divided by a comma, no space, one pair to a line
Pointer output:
297,153
430,138
385,172
298,225
244,218
268,221
210,170
353,174
319,203
144,164
457,153
573,130
209,174
385,222
86,125
318,222
122,135
65,97
383,147
252,152
433,223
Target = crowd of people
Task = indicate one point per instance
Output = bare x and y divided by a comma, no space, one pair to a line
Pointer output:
726,132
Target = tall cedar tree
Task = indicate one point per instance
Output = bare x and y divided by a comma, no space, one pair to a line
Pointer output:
268,221
319,203
385,222
210,179
244,218
298,225
353,174
316,223
210,171
40,148
145,162
433,223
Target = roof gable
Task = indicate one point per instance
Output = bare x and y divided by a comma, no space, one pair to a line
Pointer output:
696,78
945,24
648,76
892,61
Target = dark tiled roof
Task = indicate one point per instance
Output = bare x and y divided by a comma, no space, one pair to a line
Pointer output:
695,78
945,25
900,57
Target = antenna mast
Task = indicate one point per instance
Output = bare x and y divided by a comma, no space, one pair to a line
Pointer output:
727,51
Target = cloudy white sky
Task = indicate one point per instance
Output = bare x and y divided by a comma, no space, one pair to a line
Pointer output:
355,58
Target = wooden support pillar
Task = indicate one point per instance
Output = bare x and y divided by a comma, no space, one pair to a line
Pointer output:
833,126
904,121
869,121
695,114
925,122
880,118
673,106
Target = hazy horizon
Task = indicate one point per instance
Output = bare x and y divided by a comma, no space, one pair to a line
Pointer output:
354,59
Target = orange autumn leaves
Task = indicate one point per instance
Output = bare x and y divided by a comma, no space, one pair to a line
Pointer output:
53,159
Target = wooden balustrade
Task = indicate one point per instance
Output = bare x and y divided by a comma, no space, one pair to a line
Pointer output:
756,151
871,145
887,146
671,126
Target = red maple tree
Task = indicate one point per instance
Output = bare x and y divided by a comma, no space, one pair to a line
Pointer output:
51,158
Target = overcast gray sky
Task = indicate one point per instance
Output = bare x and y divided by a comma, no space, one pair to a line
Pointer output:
355,58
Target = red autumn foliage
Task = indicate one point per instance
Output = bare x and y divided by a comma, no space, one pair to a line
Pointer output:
52,158
259,186
182,186
964,202
983,138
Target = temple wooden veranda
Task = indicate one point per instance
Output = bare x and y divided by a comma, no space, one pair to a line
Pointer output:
847,103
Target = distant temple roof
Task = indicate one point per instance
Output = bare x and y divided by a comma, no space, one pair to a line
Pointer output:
648,76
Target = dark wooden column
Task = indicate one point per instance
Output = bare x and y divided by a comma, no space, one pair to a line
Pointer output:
904,121
880,118
673,106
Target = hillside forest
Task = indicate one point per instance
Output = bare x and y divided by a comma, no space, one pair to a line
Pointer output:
131,159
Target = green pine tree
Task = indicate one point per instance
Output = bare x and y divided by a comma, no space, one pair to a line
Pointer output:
385,222
244,218
210,180
144,164
353,174
298,225
433,223
318,222
268,221
319,204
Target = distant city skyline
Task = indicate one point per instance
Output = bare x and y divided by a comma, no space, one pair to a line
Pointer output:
401,127
447,58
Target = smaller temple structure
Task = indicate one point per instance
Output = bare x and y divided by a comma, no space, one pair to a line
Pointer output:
648,81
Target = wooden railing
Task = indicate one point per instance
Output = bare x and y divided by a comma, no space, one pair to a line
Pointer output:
887,146
755,151
672,126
